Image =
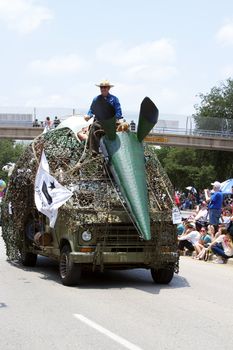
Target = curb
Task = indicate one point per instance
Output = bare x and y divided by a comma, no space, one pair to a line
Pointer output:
211,259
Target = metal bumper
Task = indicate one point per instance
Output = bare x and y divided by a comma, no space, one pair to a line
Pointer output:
123,258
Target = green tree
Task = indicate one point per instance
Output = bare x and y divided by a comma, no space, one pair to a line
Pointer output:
185,167
215,112
197,167
9,152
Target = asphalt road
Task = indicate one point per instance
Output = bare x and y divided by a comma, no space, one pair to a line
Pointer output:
116,310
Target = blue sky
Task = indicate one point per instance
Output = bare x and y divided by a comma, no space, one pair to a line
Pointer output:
54,51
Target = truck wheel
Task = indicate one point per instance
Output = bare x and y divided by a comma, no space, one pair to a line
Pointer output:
70,272
28,259
162,276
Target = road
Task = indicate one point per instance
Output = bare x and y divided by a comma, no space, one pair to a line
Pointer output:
116,310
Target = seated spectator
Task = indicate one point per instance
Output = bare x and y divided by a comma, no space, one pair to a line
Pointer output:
205,238
221,227
204,242
226,217
201,217
222,246
211,231
180,229
189,239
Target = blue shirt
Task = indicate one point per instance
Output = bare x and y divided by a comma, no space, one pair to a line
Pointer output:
216,200
206,239
113,100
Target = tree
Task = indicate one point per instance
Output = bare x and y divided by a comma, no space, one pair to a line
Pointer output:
9,152
215,111
197,167
185,167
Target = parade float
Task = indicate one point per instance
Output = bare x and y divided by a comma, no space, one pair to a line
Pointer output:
116,212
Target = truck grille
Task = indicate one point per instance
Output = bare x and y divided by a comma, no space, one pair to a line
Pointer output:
123,238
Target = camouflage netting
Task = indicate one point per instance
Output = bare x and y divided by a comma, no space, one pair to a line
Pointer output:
95,195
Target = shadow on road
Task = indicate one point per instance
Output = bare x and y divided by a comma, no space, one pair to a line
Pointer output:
138,278
141,279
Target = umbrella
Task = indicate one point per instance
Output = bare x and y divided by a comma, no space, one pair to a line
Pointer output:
191,189
2,185
226,186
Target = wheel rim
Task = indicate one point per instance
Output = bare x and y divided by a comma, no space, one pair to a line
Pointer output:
64,265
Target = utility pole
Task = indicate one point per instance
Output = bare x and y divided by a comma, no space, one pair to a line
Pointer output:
34,113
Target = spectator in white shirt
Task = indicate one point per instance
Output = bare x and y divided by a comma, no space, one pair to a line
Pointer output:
189,239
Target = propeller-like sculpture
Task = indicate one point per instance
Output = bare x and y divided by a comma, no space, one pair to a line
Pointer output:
148,117
126,155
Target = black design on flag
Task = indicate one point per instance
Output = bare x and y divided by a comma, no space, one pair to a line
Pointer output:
46,194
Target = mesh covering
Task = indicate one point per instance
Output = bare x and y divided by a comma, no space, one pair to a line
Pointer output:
95,195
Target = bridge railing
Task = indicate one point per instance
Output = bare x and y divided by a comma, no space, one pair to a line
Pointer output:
167,124
190,132
200,126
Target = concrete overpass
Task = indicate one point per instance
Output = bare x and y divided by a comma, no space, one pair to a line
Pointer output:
193,141
176,138
19,133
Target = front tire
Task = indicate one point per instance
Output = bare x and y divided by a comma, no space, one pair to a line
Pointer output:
162,276
70,272
27,258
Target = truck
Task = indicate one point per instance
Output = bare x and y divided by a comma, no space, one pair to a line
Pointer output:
119,213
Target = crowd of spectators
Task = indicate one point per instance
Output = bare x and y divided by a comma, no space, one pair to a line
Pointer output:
207,233
47,124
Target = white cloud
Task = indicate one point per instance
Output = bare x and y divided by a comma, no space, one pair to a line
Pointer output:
136,72
225,34
151,72
23,16
147,62
156,51
58,65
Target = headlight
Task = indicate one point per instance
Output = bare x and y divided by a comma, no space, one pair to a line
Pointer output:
86,236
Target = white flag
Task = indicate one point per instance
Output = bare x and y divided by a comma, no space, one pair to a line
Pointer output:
49,194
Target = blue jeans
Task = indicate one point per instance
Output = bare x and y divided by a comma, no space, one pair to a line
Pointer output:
214,216
218,250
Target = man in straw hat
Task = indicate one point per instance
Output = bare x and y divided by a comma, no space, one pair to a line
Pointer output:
105,86
94,135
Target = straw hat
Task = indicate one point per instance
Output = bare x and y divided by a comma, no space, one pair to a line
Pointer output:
104,83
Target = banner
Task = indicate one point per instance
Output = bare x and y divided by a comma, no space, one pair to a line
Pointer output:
176,216
49,193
